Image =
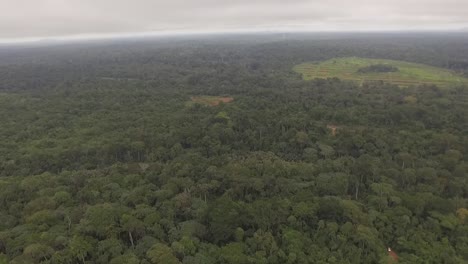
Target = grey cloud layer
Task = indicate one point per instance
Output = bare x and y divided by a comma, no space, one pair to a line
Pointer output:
42,18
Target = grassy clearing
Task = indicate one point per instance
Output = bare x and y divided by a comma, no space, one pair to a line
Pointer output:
407,74
210,100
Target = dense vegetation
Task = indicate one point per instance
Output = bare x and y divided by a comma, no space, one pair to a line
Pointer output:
377,68
107,158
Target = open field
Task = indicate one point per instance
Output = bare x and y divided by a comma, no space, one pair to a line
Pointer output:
211,100
407,74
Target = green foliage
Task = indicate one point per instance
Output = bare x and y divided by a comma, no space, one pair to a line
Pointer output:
370,70
104,161
80,248
378,68
161,253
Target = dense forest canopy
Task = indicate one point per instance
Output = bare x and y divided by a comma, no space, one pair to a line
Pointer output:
114,152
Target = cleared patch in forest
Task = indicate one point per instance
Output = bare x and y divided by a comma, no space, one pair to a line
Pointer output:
211,100
333,129
369,70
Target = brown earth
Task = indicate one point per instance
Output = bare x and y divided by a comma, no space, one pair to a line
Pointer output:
211,100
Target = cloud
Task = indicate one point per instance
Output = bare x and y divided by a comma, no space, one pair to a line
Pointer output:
44,18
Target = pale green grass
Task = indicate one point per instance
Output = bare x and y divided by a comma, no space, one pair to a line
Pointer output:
408,74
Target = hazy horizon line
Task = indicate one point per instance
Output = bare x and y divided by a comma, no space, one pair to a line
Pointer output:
175,33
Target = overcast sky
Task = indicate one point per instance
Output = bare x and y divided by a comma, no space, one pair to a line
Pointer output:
52,18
